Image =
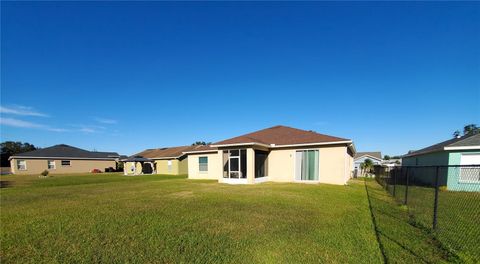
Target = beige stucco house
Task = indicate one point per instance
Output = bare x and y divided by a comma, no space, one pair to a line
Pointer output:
278,154
62,159
171,161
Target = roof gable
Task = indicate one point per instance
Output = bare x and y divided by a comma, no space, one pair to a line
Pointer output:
281,135
375,154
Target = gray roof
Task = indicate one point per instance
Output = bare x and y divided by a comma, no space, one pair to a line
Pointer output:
136,159
375,154
66,151
465,141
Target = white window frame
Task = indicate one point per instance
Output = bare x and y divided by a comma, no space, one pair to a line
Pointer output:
54,165
169,165
465,170
200,165
69,163
18,165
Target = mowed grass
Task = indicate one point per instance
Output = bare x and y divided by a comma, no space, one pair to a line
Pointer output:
457,219
169,219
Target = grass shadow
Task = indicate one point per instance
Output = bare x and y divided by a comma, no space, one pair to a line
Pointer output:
398,239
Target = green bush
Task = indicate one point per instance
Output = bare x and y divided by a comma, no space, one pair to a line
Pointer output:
44,173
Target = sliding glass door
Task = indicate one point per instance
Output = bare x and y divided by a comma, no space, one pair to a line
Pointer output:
306,168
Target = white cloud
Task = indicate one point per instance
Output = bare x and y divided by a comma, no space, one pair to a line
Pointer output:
21,110
106,120
26,124
88,128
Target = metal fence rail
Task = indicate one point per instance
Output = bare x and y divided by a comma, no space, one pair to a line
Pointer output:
444,200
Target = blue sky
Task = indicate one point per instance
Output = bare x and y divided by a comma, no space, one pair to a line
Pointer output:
125,76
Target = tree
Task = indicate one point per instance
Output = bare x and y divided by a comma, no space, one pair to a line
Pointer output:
471,129
201,143
386,157
10,148
366,165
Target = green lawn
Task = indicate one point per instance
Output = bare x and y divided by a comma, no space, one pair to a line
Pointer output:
169,219
458,218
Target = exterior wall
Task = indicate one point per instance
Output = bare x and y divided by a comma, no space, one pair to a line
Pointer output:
453,182
334,165
178,166
36,166
429,159
281,165
127,168
214,166
447,176
183,166
349,169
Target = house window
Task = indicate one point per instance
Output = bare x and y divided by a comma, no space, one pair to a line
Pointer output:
21,165
65,163
469,174
51,164
203,164
169,165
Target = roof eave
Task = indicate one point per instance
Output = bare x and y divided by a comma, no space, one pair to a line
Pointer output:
72,158
199,151
273,146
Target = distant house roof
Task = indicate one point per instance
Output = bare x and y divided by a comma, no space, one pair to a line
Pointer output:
201,149
136,159
375,154
466,142
66,151
172,152
282,136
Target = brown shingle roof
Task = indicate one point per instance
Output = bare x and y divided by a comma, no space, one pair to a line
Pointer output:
170,152
281,135
201,148
163,152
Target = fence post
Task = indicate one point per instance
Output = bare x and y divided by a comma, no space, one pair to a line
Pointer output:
395,182
406,188
435,205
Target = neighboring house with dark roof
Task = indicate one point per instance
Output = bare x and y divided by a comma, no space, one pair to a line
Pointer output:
457,151
279,154
360,157
62,159
169,160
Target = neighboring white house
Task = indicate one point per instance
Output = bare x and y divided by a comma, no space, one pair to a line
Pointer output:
360,157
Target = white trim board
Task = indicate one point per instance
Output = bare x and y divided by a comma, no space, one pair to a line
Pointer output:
463,148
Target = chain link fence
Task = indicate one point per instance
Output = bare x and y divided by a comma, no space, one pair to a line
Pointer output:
444,200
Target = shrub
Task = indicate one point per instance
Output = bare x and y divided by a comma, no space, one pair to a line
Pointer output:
44,173
96,171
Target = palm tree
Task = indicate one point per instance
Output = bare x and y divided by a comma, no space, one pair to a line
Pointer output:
367,165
